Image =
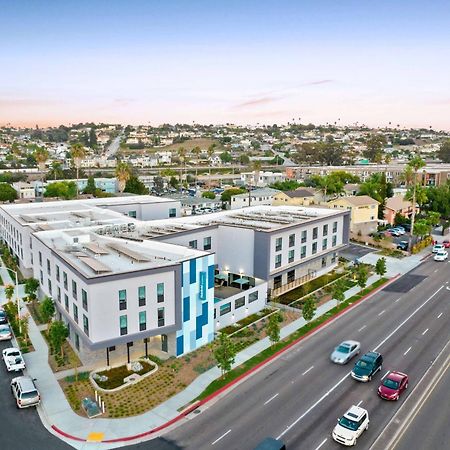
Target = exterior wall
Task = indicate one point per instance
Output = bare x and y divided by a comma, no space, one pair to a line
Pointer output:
362,217
198,235
241,201
147,211
285,200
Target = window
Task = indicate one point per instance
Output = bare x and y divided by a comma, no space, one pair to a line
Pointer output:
324,261
193,244
57,273
142,321
372,217
315,232
40,258
141,295
48,267
324,244
333,258
239,302
225,309
207,243
253,297
160,317
314,248
303,252
123,323
65,280
122,299
325,230
132,214
86,325
58,294
66,302
49,286
277,282
84,299
291,276
75,312
172,212
41,277
278,244
74,289
304,236
77,341
277,260
333,241
160,292
291,256
291,240
334,227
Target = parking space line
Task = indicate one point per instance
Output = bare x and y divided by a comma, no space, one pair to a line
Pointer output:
359,403
398,300
407,351
439,316
384,376
425,332
307,370
381,313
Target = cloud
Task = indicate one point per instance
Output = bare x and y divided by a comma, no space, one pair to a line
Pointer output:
316,82
257,101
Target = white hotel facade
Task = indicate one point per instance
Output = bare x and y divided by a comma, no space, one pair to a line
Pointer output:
129,277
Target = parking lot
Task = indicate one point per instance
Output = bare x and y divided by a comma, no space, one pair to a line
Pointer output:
354,251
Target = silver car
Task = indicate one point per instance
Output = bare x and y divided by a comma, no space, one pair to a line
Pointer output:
345,351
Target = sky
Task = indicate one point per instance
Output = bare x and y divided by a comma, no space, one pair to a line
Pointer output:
225,61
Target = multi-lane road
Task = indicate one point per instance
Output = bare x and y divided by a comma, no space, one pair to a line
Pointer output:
299,397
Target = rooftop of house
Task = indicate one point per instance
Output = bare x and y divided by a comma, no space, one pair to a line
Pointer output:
300,193
357,200
398,203
259,192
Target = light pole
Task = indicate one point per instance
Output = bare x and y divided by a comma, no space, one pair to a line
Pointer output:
17,299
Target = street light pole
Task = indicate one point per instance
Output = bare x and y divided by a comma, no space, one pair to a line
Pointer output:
18,304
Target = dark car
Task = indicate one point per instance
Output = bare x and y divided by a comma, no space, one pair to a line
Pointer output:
367,366
403,245
3,318
271,444
393,385
407,227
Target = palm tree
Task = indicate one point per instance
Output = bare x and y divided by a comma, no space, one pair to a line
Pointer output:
77,153
414,165
57,169
41,156
256,167
210,152
123,174
197,152
182,154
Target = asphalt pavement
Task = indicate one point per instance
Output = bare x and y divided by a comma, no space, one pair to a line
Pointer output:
301,394
354,251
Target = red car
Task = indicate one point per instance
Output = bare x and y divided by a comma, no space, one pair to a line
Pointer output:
393,385
446,244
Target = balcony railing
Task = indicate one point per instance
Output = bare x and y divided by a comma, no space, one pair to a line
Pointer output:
293,284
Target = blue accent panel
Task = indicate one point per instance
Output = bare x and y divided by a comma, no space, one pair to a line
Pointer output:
186,308
198,327
180,345
193,271
202,286
210,277
193,341
205,313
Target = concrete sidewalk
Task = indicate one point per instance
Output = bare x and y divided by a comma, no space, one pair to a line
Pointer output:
56,412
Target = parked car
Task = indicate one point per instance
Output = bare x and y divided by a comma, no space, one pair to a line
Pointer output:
3,318
437,248
25,392
401,230
441,255
13,359
395,232
351,425
5,333
393,385
402,245
271,444
345,351
367,366
407,227
446,244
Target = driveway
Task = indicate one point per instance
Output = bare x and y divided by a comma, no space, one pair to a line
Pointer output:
354,251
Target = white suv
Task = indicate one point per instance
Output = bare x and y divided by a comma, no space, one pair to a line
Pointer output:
351,425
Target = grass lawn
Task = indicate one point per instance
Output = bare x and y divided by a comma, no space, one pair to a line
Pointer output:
33,307
246,321
116,375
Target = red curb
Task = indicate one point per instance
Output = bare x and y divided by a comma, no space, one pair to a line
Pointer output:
236,380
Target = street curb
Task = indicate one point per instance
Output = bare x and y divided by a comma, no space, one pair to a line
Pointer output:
236,380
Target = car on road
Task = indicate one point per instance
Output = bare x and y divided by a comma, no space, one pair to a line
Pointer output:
3,318
351,425
25,392
345,351
446,244
437,248
5,333
393,385
271,444
402,245
13,359
367,366
441,255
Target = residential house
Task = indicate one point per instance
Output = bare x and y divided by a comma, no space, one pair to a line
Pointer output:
24,190
261,196
397,205
299,197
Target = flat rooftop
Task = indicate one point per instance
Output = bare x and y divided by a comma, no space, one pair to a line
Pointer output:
95,256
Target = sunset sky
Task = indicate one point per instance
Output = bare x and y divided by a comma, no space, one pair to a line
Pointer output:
217,61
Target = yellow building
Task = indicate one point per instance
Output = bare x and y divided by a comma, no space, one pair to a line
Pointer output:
363,212
299,197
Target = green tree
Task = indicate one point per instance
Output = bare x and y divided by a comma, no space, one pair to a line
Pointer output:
57,334
421,228
444,151
174,182
414,164
61,189
244,159
56,171
90,186
256,168
362,274
77,153
197,151
123,174
182,152
273,328
135,186
374,148
287,185
9,291
158,184
338,290
225,157
379,189
7,193
210,151
92,138
380,267
31,287
309,308
47,309
209,194
224,352
228,193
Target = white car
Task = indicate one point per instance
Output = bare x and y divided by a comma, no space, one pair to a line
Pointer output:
351,425
441,255
438,248
345,351
13,359
5,333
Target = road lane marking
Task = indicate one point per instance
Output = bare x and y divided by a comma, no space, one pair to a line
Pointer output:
384,376
439,316
362,328
321,444
435,270
314,405
359,403
407,351
381,313
425,332
398,300
221,437
306,371
271,398
406,320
